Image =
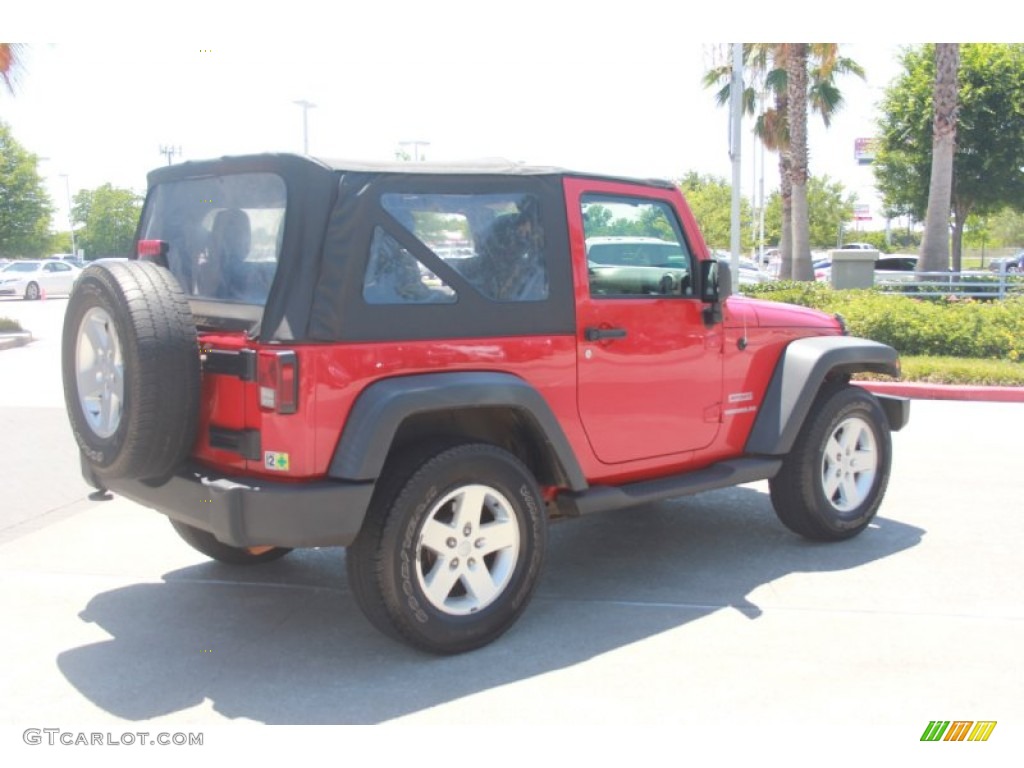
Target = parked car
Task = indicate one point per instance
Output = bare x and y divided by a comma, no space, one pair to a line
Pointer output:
1013,263
822,267
895,269
637,264
888,269
275,369
858,247
750,273
31,278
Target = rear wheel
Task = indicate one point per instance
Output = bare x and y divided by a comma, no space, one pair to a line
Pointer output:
832,482
206,543
130,364
451,549
32,291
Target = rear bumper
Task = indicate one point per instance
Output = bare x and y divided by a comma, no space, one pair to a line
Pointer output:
244,512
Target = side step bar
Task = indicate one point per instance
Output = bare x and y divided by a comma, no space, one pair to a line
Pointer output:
601,498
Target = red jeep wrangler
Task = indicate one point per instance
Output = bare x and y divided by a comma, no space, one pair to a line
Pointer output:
425,363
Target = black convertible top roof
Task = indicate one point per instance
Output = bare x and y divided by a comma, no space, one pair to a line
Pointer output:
307,164
317,293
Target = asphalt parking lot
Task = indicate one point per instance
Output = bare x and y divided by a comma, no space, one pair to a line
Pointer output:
687,620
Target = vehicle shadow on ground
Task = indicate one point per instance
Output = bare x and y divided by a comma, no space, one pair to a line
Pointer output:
285,642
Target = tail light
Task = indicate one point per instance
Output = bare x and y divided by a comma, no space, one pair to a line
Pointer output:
152,250
277,374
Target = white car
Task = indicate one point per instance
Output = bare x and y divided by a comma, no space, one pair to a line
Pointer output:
750,273
30,279
888,269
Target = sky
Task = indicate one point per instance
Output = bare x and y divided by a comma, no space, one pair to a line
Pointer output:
600,86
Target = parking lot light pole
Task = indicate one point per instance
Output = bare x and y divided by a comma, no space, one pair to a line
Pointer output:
306,106
735,124
169,152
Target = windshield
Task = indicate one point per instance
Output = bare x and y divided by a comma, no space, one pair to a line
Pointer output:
22,266
223,233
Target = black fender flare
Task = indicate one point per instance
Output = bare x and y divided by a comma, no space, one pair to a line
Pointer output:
799,374
381,408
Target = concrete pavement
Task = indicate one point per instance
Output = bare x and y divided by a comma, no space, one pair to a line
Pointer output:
693,614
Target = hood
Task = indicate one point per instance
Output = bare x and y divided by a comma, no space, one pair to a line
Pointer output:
774,314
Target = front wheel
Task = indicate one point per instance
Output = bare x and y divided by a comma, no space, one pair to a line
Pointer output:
832,482
451,549
32,292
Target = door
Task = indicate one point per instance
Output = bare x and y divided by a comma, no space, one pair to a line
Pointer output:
649,369
58,277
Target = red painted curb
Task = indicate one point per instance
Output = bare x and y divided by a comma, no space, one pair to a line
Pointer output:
924,391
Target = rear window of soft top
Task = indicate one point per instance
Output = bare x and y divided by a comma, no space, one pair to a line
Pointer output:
223,233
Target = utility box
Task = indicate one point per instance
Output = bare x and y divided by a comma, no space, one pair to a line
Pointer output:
853,268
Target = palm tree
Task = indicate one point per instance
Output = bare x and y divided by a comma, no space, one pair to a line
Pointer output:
767,64
796,91
10,55
772,127
935,242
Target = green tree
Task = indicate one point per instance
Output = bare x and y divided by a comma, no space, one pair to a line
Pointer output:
596,219
25,206
1007,227
436,227
110,216
988,164
977,233
710,200
60,242
829,205
600,221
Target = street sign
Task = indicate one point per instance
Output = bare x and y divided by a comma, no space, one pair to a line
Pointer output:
864,151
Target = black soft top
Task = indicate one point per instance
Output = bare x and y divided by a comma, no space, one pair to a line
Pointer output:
331,215
294,167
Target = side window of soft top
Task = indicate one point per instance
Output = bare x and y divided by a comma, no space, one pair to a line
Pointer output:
395,276
494,241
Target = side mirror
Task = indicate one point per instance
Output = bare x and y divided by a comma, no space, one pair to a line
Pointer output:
715,288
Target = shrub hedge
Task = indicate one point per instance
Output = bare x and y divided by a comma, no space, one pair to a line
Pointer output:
915,326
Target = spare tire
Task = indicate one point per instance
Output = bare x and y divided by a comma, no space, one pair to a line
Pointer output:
131,370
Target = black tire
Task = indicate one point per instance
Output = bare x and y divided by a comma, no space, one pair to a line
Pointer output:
32,292
498,545
128,327
832,482
205,542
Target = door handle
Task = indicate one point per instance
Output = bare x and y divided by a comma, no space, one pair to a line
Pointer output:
600,334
